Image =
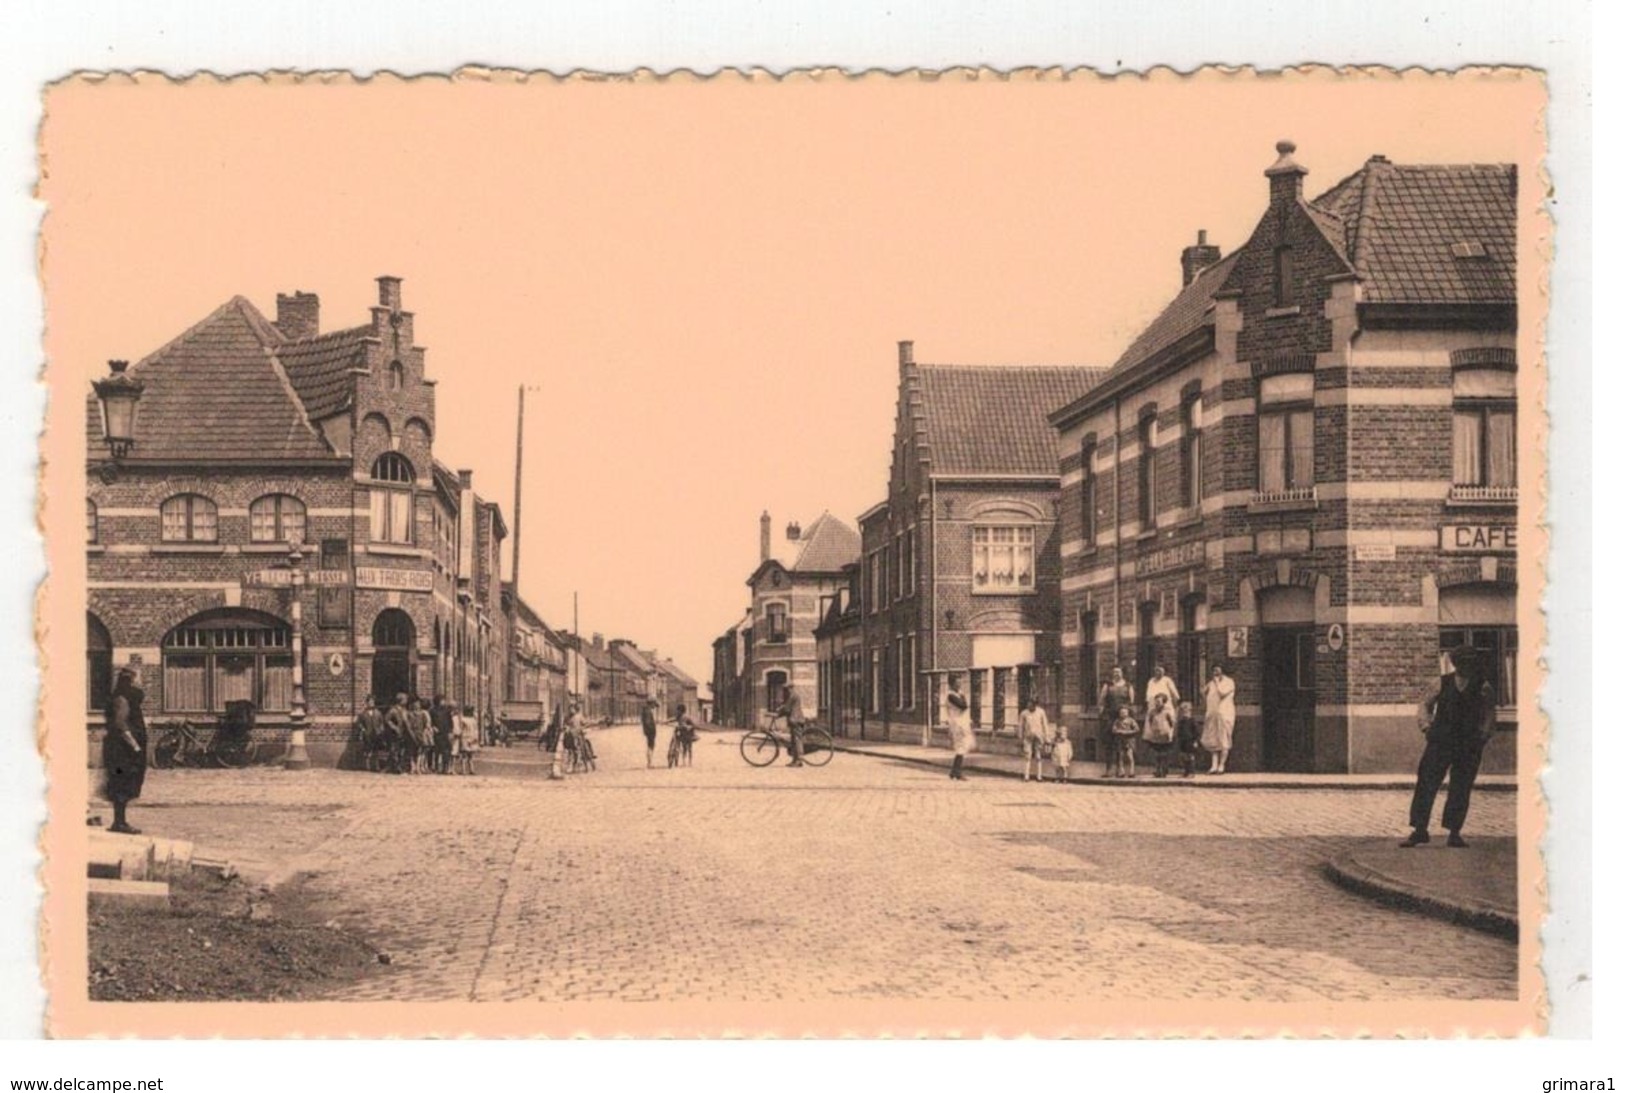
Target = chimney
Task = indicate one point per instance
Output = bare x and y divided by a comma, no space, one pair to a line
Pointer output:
1286,177
598,641
1193,260
298,316
389,293
905,354
793,532
767,536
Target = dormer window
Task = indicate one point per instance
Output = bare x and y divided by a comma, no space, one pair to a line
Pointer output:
1468,248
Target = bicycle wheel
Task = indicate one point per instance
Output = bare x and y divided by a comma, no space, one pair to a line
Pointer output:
816,747
232,751
759,748
163,755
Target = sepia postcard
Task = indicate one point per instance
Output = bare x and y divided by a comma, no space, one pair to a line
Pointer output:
944,554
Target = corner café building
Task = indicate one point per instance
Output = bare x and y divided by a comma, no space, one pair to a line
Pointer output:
249,435
1305,469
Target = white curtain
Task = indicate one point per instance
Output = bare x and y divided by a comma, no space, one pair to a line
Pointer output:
1271,453
1502,442
1466,453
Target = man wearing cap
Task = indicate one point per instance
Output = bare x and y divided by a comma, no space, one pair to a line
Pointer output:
124,746
1459,719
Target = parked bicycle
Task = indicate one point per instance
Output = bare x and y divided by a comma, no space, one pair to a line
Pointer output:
761,747
228,743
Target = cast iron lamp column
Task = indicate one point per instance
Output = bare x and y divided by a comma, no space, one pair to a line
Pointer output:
297,758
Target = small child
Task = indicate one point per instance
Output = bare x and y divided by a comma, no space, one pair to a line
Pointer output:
1124,730
1188,733
1159,733
1061,754
471,741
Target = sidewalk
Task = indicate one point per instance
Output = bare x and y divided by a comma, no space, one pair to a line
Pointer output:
1476,887
1009,766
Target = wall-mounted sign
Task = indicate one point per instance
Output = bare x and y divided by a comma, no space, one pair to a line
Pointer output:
1374,552
335,664
1478,538
1238,641
395,580
1174,557
283,578
1334,636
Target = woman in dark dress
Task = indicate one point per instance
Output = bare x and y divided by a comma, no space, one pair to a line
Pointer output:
1115,694
124,747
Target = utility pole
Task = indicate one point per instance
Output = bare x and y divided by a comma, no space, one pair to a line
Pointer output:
518,487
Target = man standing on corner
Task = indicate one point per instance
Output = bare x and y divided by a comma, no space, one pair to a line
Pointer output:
1459,719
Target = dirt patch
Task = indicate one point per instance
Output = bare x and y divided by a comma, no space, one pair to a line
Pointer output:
223,941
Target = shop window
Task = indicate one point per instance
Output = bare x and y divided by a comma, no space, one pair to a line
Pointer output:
1484,437
229,657
1087,488
1089,659
189,518
98,664
1148,470
1002,559
1286,434
276,518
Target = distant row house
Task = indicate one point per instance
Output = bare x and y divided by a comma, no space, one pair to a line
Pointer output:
1304,470
266,523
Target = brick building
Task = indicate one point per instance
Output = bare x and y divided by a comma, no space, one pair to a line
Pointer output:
536,666
961,562
678,688
1304,468
730,674
250,435
839,638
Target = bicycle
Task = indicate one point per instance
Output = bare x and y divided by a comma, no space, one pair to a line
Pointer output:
680,752
761,747
185,744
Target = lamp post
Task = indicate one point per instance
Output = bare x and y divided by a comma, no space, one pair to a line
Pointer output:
119,393
297,758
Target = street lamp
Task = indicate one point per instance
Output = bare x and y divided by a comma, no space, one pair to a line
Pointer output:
297,758
119,393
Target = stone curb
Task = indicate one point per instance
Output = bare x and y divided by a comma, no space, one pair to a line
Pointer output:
1348,873
1244,781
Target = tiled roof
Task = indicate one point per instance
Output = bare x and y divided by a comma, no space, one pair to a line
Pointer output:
671,669
994,420
218,391
1189,311
1408,221
319,368
633,656
826,546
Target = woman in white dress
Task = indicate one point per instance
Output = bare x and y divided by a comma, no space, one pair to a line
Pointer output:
960,733
1219,720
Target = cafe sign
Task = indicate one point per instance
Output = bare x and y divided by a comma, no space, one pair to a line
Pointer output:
394,580
1478,538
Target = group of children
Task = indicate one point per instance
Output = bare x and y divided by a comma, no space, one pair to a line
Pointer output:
1168,734
406,738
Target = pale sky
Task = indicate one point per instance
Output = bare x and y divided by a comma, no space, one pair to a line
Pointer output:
706,281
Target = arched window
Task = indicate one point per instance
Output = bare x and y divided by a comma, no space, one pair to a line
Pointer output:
397,375
276,518
98,664
189,518
228,656
391,509
92,527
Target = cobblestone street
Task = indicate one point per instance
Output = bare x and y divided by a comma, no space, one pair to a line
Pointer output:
866,879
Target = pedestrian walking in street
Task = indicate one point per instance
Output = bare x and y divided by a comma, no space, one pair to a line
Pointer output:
1115,694
1458,719
369,737
1160,733
124,746
1125,730
398,736
440,715
1189,733
1037,737
1218,718
468,742
960,734
650,728
1163,684
1061,756
796,719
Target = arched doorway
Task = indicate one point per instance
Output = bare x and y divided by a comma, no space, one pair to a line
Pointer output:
393,638
1287,676
98,663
